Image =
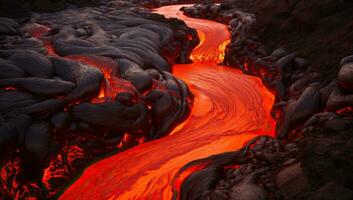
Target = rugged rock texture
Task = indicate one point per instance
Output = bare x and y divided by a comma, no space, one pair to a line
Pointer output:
320,30
20,8
314,96
54,128
82,83
247,174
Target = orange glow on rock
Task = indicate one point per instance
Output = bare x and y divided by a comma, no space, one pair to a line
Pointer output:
179,179
113,85
229,109
37,30
48,44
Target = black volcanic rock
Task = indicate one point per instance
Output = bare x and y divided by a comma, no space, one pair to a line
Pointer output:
320,30
33,63
333,191
9,70
292,182
37,145
39,86
345,77
75,86
112,116
313,87
87,79
9,26
12,100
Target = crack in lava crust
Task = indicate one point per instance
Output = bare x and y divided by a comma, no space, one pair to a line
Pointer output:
230,108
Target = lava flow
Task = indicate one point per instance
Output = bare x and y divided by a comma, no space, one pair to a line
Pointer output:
230,108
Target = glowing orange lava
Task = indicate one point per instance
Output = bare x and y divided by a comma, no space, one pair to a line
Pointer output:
214,37
230,108
113,85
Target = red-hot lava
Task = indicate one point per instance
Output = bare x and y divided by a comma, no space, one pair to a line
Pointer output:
112,86
230,108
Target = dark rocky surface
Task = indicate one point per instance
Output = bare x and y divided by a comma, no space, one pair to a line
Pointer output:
298,48
20,8
319,30
312,83
81,84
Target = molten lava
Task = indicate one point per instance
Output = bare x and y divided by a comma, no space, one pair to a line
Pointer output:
230,108
113,85
214,37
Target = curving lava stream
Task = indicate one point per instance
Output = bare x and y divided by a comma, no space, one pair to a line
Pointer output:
230,108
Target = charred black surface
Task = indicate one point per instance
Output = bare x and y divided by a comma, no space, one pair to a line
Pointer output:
313,100
81,84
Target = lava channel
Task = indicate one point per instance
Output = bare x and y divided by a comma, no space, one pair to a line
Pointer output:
230,108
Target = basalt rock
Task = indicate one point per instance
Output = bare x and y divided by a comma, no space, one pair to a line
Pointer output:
60,120
112,116
313,106
39,86
86,78
247,189
12,100
300,110
9,26
338,99
331,191
36,143
345,77
12,131
244,174
292,182
9,70
81,83
34,64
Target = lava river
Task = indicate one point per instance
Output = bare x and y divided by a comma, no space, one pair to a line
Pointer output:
229,109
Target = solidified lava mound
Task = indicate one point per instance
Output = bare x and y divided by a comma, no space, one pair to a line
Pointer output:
302,51
20,8
83,83
320,30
